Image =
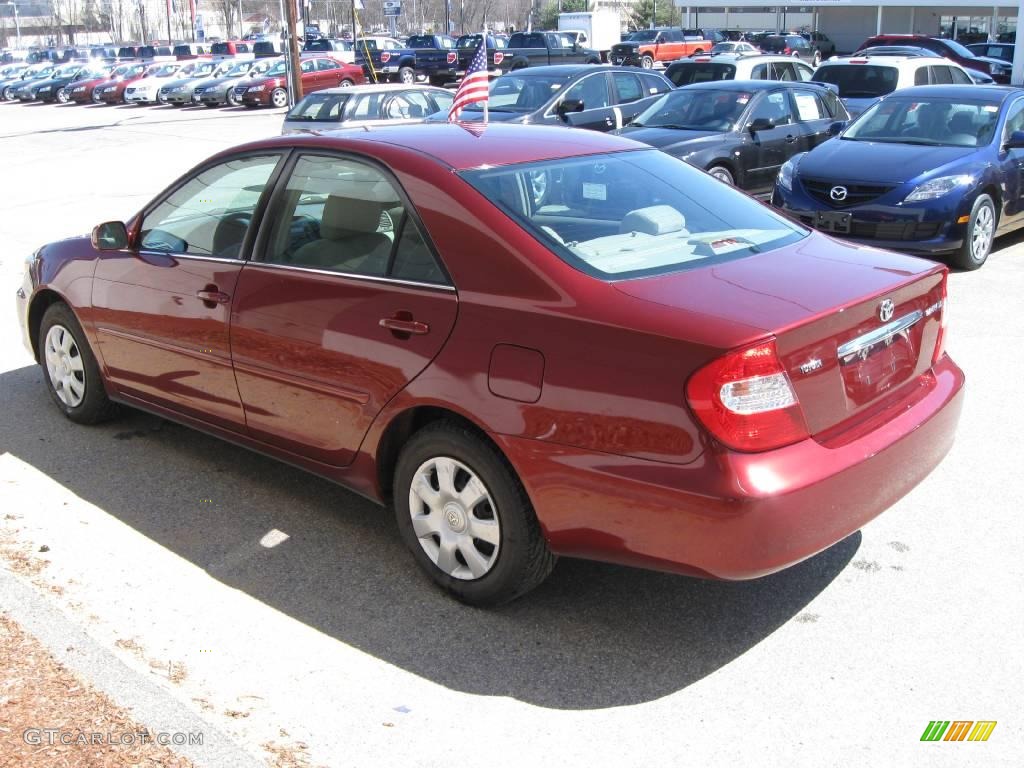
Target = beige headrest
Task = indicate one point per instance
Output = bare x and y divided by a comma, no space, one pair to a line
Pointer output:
653,220
345,215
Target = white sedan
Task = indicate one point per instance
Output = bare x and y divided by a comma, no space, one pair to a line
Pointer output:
145,90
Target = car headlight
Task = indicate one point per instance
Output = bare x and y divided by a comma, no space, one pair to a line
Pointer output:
256,88
936,188
788,171
44,90
79,89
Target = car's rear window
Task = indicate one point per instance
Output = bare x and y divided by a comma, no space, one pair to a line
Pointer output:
319,108
685,72
632,214
774,44
859,81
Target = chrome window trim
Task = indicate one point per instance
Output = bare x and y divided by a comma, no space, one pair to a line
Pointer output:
848,351
353,275
196,256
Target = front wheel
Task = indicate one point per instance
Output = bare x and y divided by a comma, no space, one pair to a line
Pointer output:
62,96
981,231
466,518
646,62
279,97
72,374
722,173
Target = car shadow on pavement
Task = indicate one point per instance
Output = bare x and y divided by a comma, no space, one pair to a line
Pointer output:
592,636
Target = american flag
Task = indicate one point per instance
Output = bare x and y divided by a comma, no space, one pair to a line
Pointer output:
474,86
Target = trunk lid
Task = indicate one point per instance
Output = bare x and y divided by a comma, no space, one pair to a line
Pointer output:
823,301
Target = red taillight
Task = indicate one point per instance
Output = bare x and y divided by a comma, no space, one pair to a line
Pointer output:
746,401
940,307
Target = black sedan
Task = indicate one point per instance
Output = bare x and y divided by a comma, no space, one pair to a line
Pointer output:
740,131
581,95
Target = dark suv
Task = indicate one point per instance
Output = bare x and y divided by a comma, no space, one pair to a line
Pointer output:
790,45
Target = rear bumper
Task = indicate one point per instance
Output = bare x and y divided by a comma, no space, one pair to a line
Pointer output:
730,515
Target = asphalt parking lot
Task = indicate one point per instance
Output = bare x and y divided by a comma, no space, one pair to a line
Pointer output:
295,617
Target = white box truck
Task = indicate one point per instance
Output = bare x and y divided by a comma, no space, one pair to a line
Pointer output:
600,29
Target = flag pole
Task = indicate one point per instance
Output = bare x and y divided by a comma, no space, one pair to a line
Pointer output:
487,70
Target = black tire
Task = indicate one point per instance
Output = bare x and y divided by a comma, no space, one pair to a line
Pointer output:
723,174
95,406
62,96
523,559
646,62
231,100
406,75
983,214
279,98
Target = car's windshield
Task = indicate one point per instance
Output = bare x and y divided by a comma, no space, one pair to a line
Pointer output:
957,48
928,122
68,70
631,214
859,81
685,72
239,69
696,110
319,107
520,93
203,69
165,71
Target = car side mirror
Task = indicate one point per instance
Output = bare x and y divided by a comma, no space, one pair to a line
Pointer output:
1016,141
761,124
836,128
110,236
568,106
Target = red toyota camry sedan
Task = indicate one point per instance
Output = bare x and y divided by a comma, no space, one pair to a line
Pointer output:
528,341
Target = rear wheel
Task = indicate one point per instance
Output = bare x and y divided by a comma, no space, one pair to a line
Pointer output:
406,75
646,62
72,375
345,84
466,518
279,97
722,173
981,231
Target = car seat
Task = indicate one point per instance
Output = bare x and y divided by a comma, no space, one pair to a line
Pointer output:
350,240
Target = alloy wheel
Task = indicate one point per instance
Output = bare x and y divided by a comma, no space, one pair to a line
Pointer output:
65,366
454,518
62,96
982,232
279,98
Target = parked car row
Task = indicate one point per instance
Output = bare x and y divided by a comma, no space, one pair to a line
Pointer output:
211,82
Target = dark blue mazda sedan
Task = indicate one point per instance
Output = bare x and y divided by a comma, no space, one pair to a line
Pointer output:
934,170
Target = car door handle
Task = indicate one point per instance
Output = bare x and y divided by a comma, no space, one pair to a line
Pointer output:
609,122
402,325
790,139
217,297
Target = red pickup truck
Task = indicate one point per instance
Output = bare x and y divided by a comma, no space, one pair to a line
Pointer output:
645,47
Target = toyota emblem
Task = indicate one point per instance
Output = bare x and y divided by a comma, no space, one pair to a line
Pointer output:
838,194
885,310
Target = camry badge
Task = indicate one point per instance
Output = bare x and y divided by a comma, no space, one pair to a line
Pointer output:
838,193
885,310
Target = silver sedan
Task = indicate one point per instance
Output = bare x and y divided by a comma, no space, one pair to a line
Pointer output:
361,105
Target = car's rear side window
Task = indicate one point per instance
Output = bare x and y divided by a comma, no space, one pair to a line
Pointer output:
630,214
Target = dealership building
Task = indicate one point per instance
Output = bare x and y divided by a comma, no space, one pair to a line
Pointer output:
850,22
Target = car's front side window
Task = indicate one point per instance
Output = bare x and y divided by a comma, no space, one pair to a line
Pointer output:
209,214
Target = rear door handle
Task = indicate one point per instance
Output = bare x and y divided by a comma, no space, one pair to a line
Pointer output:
609,121
217,297
790,139
402,325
